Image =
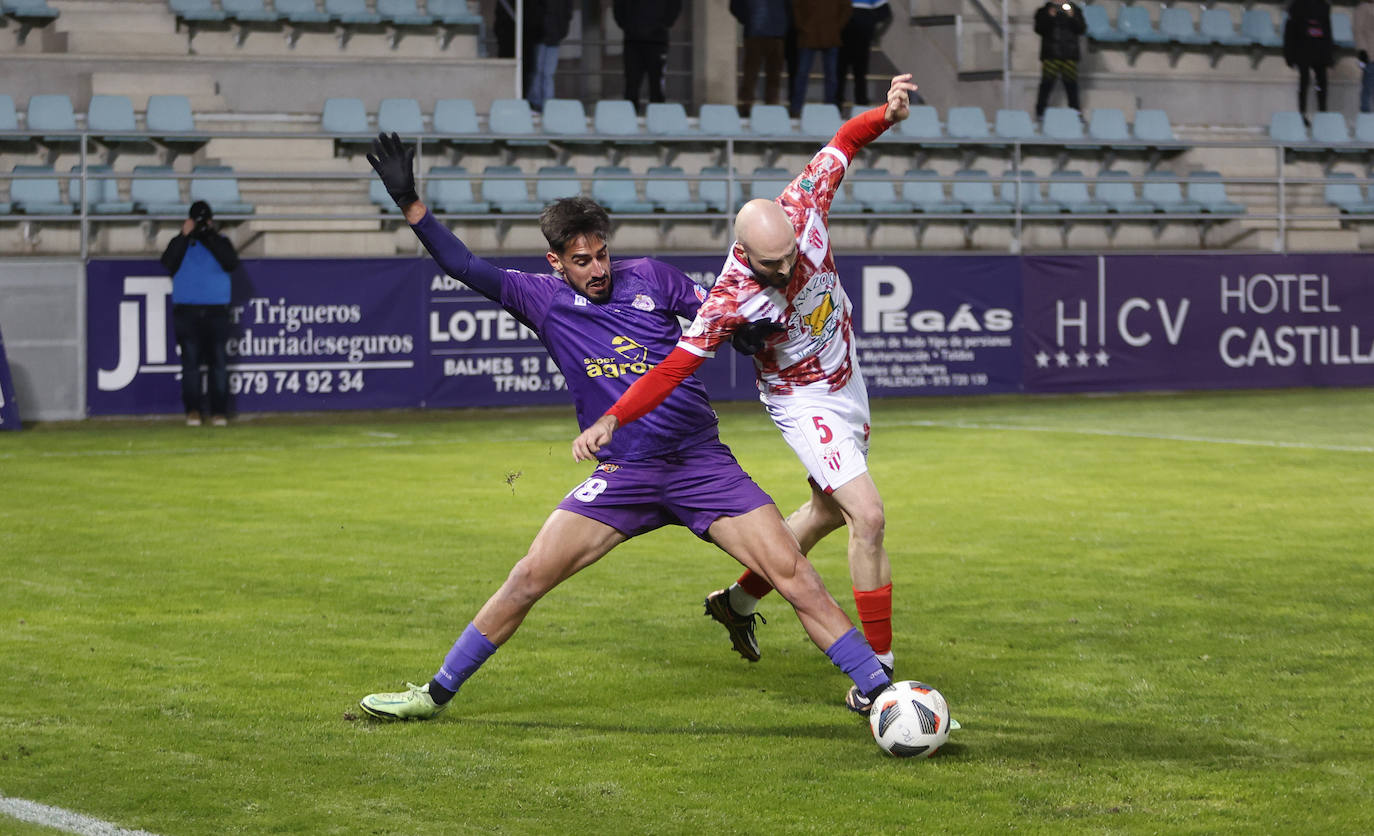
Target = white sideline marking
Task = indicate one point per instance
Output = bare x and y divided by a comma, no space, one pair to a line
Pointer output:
59,819
1196,439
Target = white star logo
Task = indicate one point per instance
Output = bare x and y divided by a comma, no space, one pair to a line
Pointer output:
1042,360
1081,357
1061,359
1102,357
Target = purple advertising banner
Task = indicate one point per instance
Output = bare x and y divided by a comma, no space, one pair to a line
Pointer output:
1198,322
307,335
9,410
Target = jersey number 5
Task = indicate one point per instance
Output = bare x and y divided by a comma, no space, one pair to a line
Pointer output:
821,428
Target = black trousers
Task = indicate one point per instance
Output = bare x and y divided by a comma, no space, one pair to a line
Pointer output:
1319,72
1050,71
856,42
202,332
645,58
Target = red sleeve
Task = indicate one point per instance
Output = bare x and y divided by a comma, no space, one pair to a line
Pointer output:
653,388
861,130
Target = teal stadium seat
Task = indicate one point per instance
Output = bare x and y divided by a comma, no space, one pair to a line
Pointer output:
1206,189
1099,25
1134,22
111,118
377,195
1218,27
247,11
875,190
169,115
615,194
154,190
344,116
400,115
513,119
221,192
351,12
1176,24
565,119
821,121
403,13
1257,27
668,191
617,118
555,182
1070,191
1165,192
1108,125
1115,190
40,195
973,191
667,119
1329,128
9,117
966,123
102,194
926,194
1364,128
1027,193
453,12
923,123
300,11
503,186
770,121
716,189
1287,127
719,120
456,116
30,14
1014,124
449,189
1347,196
50,117
1062,124
1342,32
1153,126
768,182
196,11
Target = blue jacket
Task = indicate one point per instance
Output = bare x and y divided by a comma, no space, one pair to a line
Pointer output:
200,268
763,18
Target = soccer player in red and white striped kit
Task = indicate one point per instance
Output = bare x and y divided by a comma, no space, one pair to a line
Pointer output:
779,295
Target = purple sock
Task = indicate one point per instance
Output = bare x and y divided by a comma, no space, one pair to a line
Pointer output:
852,654
467,655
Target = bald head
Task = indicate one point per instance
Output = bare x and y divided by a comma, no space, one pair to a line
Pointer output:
769,241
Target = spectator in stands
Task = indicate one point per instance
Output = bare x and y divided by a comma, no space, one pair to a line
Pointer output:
1059,25
1364,42
870,19
549,20
1307,46
819,24
765,28
200,261
646,26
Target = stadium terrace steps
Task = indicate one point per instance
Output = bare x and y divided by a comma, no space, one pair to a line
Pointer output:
200,88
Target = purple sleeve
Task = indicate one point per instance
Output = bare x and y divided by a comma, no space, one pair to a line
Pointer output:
457,260
684,295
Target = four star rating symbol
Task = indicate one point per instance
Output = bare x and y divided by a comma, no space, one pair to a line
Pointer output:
1062,358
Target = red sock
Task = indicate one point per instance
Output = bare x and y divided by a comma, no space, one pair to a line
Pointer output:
875,613
754,584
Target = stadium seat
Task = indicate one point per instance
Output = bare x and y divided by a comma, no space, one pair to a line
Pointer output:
1153,126
102,194
1342,32
1118,193
401,116
1164,191
169,114
1108,125
196,11
1347,196
9,117
1287,126
50,117
616,117
1070,191
767,120
923,123
875,190
38,195
966,123
1364,128
222,192
554,182
247,11
351,12
507,195
1099,26
1027,193
111,119
453,12
926,194
1176,24
1014,124
344,116
403,13
30,14
716,189
449,189
1134,23
456,116
667,119
565,119
615,194
377,195
768,182
300,11
1206,189
1216,26
154,189
512,117
1257,27
1329,128
820,120
666,189
719,120
973,191
1063,124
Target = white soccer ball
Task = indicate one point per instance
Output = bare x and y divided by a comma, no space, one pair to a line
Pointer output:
910,720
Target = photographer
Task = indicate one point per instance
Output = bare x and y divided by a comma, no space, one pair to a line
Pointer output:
200,261
1059,25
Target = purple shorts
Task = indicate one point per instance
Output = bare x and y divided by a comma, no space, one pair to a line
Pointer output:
693,488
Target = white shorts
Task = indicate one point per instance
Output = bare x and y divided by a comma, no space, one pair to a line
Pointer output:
827,430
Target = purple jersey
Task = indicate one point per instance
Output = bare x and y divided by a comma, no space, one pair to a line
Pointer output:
602,348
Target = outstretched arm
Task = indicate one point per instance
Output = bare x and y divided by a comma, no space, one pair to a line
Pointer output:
639,400
869,125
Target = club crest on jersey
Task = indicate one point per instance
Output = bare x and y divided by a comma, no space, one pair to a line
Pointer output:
832,459
608,467
700,292
642,302
815,241
806,184
819,316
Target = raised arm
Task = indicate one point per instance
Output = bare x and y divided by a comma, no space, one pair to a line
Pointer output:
394,163
869,125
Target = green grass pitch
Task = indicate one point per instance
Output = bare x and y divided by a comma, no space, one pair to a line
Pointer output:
1152,614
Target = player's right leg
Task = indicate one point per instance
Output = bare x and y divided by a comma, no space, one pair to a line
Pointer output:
567,543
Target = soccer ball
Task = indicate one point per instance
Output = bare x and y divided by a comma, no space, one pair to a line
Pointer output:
909,720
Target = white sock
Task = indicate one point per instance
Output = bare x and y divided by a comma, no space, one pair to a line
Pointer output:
742,602
886,659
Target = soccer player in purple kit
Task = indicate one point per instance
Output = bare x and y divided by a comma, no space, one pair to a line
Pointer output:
668,468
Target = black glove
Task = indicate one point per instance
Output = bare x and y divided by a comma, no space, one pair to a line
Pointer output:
750,337
394,162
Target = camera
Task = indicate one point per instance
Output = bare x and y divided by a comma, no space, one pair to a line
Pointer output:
1067,7
201,215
